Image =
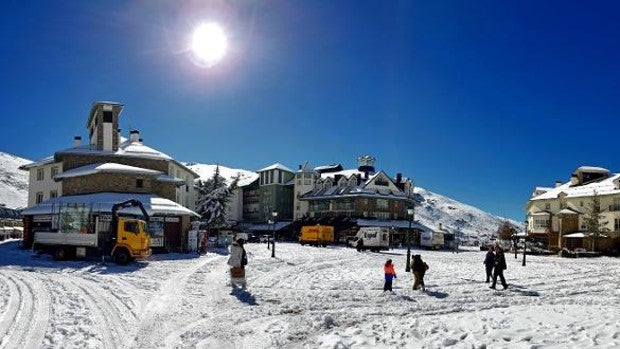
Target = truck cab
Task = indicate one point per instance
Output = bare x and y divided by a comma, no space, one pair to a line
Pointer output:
132,241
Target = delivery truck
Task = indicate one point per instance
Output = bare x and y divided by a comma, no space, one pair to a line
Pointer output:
78,232
432,240
371,238
317,235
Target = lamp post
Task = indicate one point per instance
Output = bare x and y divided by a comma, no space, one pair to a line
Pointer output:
525,241
274,214
410,212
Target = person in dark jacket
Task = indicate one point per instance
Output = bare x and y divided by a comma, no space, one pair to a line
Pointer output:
419,269
489,262
499,267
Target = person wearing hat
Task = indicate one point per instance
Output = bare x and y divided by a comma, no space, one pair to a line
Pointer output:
238,260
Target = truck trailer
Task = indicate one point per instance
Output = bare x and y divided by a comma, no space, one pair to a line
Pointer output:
316,235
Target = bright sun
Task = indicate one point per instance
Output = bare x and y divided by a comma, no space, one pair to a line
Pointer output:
209,44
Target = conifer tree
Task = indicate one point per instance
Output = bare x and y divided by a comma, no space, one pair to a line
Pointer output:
213,198
593,219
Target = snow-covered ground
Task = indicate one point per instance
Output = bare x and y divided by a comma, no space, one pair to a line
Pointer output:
307,297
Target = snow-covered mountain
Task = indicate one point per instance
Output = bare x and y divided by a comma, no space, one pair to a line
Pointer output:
431,208
206,172
455,216
13,182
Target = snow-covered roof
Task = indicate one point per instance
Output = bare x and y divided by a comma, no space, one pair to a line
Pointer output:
276,166
45,161
591,169
127,148
109,167
103,202
346,173
328,167
605,186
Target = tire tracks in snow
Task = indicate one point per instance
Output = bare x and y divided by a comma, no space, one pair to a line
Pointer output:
158,322
26,318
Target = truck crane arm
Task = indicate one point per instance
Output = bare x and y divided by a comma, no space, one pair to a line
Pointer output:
129,203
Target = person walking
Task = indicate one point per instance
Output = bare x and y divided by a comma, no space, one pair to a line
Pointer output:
388,270
499,267
419,268
489,262
238,260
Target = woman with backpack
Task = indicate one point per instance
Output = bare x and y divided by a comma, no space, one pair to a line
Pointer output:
419,268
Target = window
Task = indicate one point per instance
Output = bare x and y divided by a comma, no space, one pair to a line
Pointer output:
382,215
307,182
54,172
40,174
382,204
541,223
53,194
547,206
39,197
107,116
617,224
131,227
139,183
616,205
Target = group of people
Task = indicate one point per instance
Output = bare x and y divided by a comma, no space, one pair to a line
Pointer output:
418,267
495,264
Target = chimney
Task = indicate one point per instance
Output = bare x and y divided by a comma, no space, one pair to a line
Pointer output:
134,136
558,183
399,177
77,141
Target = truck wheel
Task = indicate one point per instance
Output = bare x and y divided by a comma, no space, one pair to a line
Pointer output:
121,256
59,254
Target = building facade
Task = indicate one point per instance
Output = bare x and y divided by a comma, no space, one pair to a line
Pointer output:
110,163
557,216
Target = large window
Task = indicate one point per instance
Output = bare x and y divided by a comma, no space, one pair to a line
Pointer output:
541,223
40,174
54,172
39,197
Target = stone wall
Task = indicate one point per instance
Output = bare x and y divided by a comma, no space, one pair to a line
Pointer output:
117,182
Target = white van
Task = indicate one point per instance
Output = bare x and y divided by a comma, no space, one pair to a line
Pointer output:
432,240
371,238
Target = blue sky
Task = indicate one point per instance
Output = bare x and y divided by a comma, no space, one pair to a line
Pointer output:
479,101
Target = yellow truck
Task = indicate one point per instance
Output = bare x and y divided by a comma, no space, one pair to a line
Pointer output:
316,235
79,233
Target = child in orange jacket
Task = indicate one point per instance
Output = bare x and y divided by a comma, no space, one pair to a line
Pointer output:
390,274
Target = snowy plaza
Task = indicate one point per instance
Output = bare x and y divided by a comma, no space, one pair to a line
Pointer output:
306,297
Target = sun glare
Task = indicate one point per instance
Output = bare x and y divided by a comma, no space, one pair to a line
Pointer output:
209,44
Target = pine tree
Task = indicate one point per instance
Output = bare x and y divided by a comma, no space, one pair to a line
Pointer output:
593,219
213,198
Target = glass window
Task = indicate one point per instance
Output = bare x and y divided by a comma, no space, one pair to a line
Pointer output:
53,194
139,183
617,224
131,227
40,174
54,171
39,197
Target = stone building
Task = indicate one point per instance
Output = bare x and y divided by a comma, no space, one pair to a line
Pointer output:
110,163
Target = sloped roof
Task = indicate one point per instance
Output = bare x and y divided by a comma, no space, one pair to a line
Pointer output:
103,202
275,166
605,186
108,167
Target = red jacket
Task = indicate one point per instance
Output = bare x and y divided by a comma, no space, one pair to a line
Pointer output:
389,269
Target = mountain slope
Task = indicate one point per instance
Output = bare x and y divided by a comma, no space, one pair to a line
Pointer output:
13,182
455,216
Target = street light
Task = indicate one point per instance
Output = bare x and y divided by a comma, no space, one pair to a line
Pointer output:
410,212
525,241
274,214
